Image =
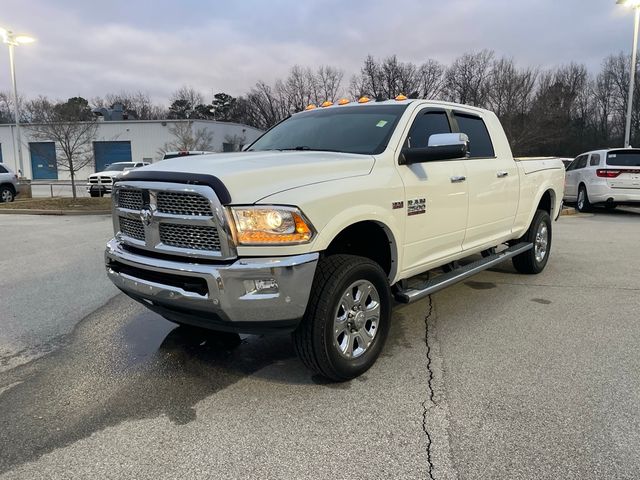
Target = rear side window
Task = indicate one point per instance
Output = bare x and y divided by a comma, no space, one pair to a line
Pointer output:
595,160
479,140
3,170
425,125
621,158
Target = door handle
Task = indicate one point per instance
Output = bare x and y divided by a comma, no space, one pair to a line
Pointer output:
458,178
502,174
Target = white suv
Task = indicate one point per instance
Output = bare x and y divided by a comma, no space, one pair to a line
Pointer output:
604,177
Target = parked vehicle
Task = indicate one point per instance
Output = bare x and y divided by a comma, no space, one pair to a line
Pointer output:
8,184
609,177
101,183
321,221
184,153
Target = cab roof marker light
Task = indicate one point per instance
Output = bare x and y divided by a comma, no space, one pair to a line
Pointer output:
401,97
343,101
310,107
326,104
364,99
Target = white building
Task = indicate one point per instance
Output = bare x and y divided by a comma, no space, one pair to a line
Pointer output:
116,141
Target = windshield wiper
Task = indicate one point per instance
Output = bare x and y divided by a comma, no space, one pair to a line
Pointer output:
305,148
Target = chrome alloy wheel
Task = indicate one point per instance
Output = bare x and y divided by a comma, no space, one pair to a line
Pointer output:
356,319
7,196
581,195
541,242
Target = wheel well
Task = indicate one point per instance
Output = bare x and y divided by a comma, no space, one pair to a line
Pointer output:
547,202
10,185
366,239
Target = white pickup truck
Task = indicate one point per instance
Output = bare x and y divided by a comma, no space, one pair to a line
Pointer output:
327,217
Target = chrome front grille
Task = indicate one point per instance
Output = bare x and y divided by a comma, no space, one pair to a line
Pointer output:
181,203
132,228
190,236
130,198
171,218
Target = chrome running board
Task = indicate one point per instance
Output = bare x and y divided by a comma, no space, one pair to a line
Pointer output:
446,279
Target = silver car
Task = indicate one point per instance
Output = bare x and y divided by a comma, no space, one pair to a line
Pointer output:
604,177
8,184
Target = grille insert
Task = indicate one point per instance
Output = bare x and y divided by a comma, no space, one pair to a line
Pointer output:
193,237
178,203
129,198
132,228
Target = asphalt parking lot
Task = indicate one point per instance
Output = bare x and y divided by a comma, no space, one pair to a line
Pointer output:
503,376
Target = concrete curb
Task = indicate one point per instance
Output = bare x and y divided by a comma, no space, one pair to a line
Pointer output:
568,211
23,211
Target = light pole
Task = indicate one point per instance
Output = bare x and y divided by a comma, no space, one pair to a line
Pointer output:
12,41
635,4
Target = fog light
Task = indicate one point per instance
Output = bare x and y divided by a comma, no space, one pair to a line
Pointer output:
267,285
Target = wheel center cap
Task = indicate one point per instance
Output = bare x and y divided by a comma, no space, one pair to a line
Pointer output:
359,320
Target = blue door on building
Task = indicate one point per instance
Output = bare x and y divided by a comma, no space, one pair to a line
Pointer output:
43,160
107,153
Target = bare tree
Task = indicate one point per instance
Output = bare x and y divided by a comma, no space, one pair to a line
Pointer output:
186,137
467,79
430,79
73,139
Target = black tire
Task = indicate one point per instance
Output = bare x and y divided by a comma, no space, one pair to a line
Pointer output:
6,194
610,206
314,340
94,194
530,262
582,202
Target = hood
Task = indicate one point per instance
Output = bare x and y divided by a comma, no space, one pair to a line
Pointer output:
251,176
106,173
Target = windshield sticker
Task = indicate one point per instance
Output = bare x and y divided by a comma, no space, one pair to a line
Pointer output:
612,155
381,123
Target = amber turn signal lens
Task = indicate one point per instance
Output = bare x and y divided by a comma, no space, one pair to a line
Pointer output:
364,100
343,101
401,97
326,104
310,107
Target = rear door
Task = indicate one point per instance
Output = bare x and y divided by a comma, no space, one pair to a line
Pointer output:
622,169
494,185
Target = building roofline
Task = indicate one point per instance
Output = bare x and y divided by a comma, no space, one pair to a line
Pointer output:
129,122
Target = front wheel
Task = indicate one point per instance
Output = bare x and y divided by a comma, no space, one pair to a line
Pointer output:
6,194
347,319
539,234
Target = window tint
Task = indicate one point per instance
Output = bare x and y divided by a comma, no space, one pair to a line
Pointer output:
3,170
595,160
479,140
624,158
425,125
581,162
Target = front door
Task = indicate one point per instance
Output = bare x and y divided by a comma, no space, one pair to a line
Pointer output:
436,197
572,176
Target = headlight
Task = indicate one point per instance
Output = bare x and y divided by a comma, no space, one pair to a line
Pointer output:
270,225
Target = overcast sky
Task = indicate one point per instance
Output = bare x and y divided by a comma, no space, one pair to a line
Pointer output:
89,47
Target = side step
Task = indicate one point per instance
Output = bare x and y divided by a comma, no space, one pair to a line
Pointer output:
442,281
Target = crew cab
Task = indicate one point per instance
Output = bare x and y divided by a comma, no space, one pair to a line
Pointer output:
318,224
608,177
101,183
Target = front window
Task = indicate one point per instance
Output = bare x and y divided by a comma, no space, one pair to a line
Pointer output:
358,129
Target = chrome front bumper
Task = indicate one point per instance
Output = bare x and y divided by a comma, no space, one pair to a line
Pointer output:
242,296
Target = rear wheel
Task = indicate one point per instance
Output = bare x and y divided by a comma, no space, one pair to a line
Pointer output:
539,234
94,194
6,194
583,204
347,319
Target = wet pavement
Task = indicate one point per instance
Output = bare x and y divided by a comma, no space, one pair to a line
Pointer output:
502,376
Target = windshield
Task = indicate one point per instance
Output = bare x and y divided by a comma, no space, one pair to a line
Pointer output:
624,158
118,167
364,130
